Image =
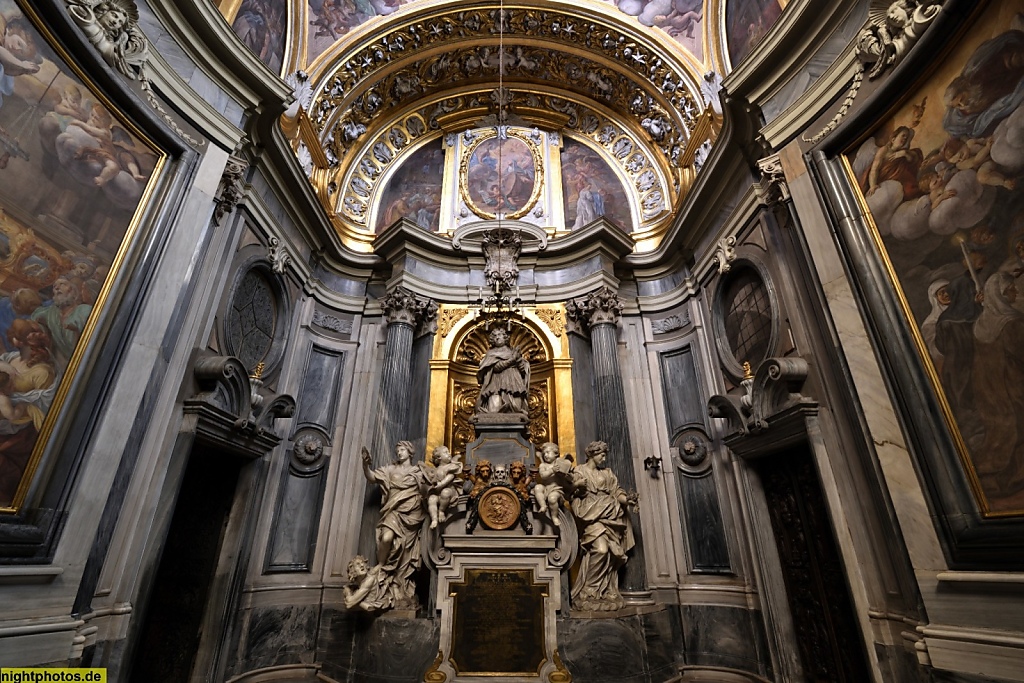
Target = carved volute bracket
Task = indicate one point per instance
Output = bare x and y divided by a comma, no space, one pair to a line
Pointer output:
228,413
772,188
112,26
772,411
893,28
400,306
231,188
600,307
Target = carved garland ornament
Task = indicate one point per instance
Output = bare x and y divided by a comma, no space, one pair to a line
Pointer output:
112,26
892,29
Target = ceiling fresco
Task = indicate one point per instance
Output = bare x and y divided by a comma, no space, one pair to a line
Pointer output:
374,78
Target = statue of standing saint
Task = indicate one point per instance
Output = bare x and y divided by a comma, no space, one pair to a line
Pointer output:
402,513
504,377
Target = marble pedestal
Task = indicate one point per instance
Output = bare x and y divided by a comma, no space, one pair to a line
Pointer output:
500,438
480,627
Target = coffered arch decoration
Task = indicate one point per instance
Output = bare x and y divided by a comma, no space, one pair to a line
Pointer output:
254,324
460,344
433,68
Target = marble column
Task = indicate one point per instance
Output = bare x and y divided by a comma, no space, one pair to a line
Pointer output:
599,312
405,312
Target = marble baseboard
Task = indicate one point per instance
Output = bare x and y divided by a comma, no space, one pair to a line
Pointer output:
356,646
640,648
730,637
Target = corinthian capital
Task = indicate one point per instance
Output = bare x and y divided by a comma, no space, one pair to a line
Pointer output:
402,306
600,307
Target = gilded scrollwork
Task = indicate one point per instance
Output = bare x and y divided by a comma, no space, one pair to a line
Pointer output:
447,319
659,70
554,319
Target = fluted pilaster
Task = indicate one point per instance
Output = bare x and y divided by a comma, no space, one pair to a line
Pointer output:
599,312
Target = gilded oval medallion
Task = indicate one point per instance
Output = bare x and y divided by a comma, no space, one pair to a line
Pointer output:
499,509
501,175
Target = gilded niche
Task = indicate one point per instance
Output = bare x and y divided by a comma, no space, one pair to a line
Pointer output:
465,390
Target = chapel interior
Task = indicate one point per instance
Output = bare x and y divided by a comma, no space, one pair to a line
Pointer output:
454,341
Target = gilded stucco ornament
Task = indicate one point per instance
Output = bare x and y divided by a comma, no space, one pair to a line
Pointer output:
636,158
374,78
112,26
893,28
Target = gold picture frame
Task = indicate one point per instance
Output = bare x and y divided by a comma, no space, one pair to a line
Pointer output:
80,177
469,177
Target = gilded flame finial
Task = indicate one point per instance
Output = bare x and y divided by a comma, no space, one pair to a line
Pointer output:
747,372
257,372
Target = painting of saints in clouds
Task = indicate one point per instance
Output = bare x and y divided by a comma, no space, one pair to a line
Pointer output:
414,191
943,181
71,179
591,189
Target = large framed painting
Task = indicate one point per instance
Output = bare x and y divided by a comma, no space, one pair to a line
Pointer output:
501,175
942,179
73,178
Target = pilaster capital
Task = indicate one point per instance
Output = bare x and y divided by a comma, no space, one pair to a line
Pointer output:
402,306
600,307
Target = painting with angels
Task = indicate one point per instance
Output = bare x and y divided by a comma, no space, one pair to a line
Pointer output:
72,178
943,180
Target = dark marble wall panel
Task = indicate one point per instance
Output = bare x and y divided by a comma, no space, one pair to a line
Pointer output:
582,391
280,635
356,647
293,533
297,518
705,532
717,635
318,395
684,404
644,648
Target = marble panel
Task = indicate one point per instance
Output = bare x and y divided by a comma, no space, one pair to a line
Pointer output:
716,635
293,537
356,647
705,532
640,648
317,398
562,276
280,635
661,285
342,285
684,404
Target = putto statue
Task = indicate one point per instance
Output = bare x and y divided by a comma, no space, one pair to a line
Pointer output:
553,477
599,505
446,484
504,377
402,513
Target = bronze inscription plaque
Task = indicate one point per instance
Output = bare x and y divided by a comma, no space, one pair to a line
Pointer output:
498,623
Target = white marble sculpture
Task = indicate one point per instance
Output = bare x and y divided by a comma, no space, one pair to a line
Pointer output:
402,513
599,505
552,480
446,484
